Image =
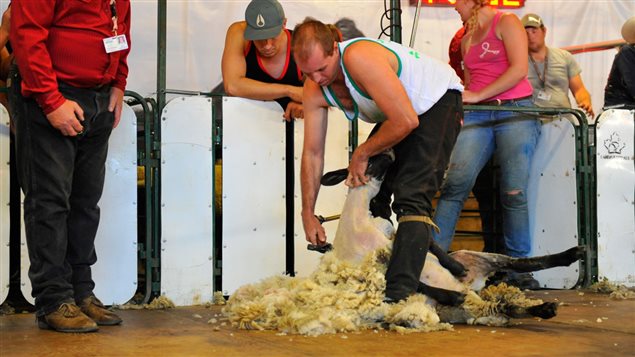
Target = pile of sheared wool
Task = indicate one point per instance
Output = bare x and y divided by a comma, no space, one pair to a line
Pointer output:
337,297
489,306
504,296
342,297
159,303
6,309
218,298
615,291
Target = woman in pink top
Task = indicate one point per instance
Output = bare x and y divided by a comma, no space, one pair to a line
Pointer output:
495,60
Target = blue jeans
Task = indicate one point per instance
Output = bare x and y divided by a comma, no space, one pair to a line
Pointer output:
512,136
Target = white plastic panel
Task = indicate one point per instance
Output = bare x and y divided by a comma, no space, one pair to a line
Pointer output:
115,273
616,196
553,202
253,192
186,200
330,199
4,203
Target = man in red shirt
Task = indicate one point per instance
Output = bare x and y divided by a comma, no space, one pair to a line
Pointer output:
66,97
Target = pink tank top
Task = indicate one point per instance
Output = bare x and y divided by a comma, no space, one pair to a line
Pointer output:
487,60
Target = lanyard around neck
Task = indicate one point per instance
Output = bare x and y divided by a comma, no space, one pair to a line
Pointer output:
543,78
113,13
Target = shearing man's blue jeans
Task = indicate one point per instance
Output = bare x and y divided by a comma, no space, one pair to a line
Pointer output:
512,136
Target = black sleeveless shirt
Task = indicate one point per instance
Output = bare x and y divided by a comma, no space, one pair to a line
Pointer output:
291,74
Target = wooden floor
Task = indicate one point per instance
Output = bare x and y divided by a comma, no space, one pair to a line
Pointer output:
588,324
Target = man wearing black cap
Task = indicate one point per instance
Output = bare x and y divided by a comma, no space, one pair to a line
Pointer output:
257,61
553,71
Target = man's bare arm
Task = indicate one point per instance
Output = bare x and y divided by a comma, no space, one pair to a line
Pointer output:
311,169
5,26
582,96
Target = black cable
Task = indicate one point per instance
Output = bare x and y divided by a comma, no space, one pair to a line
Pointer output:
386,15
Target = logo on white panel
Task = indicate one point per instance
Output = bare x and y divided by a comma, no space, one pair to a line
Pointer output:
260,21
614,148
614,144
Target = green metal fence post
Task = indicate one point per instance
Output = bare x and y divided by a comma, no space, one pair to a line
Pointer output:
146,159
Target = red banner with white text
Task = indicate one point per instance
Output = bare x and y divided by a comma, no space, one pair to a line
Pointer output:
501,4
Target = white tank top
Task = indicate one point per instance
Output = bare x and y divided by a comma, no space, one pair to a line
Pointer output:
424,78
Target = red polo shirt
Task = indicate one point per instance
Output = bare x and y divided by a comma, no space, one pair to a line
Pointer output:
61,40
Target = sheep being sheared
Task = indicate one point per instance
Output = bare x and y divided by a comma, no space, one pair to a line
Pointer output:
358,233
345,293
337,297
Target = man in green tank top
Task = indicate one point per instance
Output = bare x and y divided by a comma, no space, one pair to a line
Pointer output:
419,121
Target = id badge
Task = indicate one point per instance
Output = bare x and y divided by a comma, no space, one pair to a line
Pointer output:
115,43
543,95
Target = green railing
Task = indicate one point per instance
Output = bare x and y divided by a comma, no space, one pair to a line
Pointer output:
148,158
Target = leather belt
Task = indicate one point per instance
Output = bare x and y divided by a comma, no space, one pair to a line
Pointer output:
499,102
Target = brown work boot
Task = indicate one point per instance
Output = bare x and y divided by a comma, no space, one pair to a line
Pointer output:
92,307
67,318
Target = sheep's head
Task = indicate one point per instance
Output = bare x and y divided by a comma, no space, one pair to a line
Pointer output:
358,233
377,167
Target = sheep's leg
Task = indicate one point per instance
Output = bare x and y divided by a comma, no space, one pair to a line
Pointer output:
334,177
460,315
546,261
442,296
453,314
377,167
456,268
482,265
545,310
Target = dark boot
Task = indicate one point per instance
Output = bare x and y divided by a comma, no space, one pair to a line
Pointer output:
406,262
